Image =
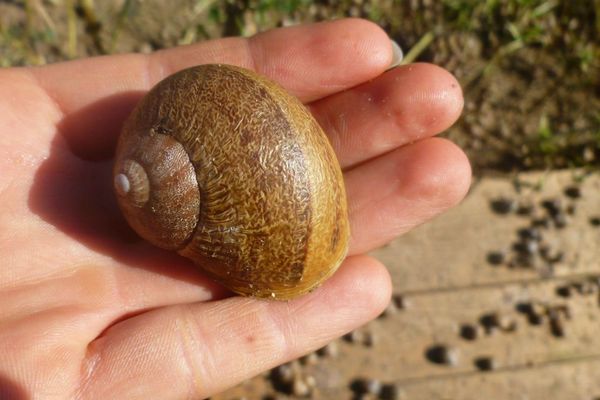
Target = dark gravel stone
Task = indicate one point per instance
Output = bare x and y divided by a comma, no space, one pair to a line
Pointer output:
496,257
442,354
485,363
553,206
503,205
531,233
489,322
564,291
573,192
542,222
534,312
556,325
284,374
370,339
469,332
390,392
354,337
525,209
526,247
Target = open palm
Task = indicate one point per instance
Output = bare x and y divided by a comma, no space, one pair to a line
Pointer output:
89,311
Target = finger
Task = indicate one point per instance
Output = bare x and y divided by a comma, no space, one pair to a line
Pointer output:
311,61
402,189
387,196
196,350
403,105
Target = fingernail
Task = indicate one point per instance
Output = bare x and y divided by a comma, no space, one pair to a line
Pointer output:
397,55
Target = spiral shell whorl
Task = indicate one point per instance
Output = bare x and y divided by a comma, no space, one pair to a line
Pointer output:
156,186
132,183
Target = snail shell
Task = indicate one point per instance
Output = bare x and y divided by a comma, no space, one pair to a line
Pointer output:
226,168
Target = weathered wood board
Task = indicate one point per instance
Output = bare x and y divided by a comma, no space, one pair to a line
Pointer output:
548,343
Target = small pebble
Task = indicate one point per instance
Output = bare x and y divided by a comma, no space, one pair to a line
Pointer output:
556,324
330,350
310,359
503,205
444,355
553,206
300,388
573,192
571,209
536,319
470,331
496,257
401,302
485,363
531,233
373,386
355,336
535,312
564,291
543,222
359,385
391,392
529,247
525,208
506,322
284,373
488,322
366,386
370,339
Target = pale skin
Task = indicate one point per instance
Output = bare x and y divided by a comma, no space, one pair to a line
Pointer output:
89,311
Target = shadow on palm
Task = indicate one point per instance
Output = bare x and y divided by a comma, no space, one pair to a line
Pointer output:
72,190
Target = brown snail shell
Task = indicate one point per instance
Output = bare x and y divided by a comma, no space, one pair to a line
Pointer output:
226,168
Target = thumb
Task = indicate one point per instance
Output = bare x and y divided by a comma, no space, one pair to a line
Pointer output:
196,350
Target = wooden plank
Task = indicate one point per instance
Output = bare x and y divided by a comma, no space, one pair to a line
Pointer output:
577,380
452,250
435,318
441,274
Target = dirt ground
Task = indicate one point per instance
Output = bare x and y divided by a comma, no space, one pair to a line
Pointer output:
497,299
530,69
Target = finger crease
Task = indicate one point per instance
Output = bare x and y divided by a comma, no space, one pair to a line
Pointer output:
190,339
59,108
154,70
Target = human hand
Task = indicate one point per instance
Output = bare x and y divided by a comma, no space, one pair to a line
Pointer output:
89,311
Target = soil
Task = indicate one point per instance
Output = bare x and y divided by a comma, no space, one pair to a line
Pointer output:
531,73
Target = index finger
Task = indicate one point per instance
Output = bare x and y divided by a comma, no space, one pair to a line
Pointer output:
310,61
